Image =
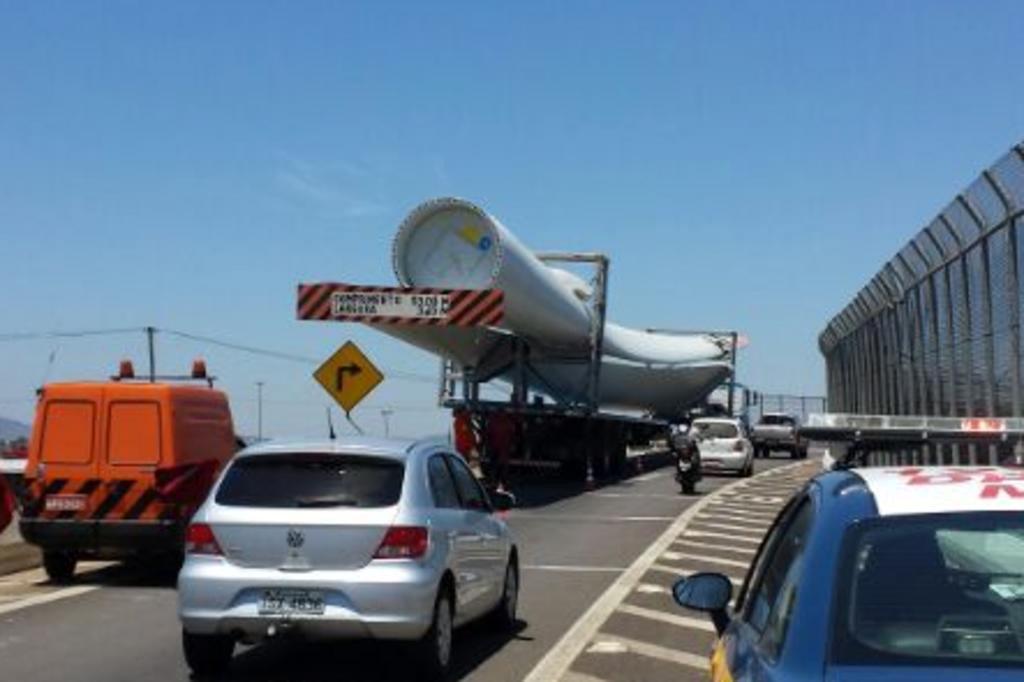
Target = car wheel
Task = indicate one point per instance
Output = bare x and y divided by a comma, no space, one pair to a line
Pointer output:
59,566
207,654
435,648
504,615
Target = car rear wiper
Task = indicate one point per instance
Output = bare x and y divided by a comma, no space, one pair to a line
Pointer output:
327,501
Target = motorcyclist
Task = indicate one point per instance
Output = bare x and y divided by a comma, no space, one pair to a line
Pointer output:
687,454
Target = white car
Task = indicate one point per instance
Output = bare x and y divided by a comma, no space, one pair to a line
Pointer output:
348,538
723,445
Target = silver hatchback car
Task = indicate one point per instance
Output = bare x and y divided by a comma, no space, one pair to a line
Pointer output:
347,538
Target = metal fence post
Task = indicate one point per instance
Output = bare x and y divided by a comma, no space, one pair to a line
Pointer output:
1012,286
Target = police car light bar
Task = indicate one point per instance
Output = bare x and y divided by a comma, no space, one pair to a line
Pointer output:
906,429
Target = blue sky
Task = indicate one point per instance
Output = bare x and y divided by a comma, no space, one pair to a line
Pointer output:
746,165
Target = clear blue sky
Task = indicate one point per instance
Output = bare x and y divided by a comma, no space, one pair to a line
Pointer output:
746,165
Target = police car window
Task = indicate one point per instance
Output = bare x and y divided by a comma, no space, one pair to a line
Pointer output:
472,495
936,590
773,598
441,485
765,552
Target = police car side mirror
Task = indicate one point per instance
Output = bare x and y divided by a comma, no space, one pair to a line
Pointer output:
707,592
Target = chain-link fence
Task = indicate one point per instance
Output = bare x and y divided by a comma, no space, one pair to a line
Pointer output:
937,330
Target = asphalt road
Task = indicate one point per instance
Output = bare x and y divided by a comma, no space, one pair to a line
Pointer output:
579,551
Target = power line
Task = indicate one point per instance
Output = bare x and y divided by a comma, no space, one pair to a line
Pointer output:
29,336
281,355
200,338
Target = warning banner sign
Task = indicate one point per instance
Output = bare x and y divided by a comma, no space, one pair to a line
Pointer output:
340,302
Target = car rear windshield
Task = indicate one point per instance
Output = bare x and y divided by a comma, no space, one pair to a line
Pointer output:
714,430
777,420
311,480
935,590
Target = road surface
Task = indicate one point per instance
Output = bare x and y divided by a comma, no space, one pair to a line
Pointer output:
595,603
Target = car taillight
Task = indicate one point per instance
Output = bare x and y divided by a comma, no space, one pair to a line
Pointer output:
199,539
403,542
737,446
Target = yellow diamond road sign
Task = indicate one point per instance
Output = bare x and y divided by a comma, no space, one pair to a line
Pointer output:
348,376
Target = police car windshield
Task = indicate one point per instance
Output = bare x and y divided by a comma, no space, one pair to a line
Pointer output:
937,589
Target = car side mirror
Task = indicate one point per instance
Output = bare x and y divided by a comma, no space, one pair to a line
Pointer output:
502,501
707,592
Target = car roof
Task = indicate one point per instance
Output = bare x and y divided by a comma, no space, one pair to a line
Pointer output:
717,420
394,448
938,489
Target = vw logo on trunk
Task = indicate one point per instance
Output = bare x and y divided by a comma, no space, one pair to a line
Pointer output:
296,538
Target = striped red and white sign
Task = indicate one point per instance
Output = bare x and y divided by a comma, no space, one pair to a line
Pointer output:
338,302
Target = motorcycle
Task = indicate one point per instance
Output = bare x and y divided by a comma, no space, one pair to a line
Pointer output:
687,462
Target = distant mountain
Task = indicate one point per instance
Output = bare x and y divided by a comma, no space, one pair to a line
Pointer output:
11,430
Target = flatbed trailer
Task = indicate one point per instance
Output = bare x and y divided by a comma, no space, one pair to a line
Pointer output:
572,442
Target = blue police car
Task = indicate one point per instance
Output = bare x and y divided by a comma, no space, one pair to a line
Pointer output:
883,574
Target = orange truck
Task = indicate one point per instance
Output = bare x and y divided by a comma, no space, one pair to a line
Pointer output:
116,469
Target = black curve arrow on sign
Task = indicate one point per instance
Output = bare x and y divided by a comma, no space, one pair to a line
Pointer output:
352,369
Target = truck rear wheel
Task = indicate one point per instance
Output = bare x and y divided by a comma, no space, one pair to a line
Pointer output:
59,566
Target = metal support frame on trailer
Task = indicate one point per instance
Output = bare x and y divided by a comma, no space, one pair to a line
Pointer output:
522,368
601,265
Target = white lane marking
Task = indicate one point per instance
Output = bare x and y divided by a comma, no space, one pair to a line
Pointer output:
560,656
744,512
591,519
772,498
745,526
684,556
573,569
37,599
650,588
716,548
607,647
573,676
685,573
670,618
620,645
735,537
729,526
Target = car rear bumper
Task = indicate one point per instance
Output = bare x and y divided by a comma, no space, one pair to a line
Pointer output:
104,538
716,461
383,600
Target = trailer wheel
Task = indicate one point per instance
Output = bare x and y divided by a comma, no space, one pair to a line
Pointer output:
59,566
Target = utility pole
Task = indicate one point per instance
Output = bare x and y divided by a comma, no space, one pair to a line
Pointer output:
152,354
259,410
385,413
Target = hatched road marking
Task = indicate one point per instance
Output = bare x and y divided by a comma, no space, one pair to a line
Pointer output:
615,644
672,619
699,536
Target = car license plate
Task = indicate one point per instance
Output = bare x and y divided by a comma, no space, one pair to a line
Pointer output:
65,502
712,463
284,602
